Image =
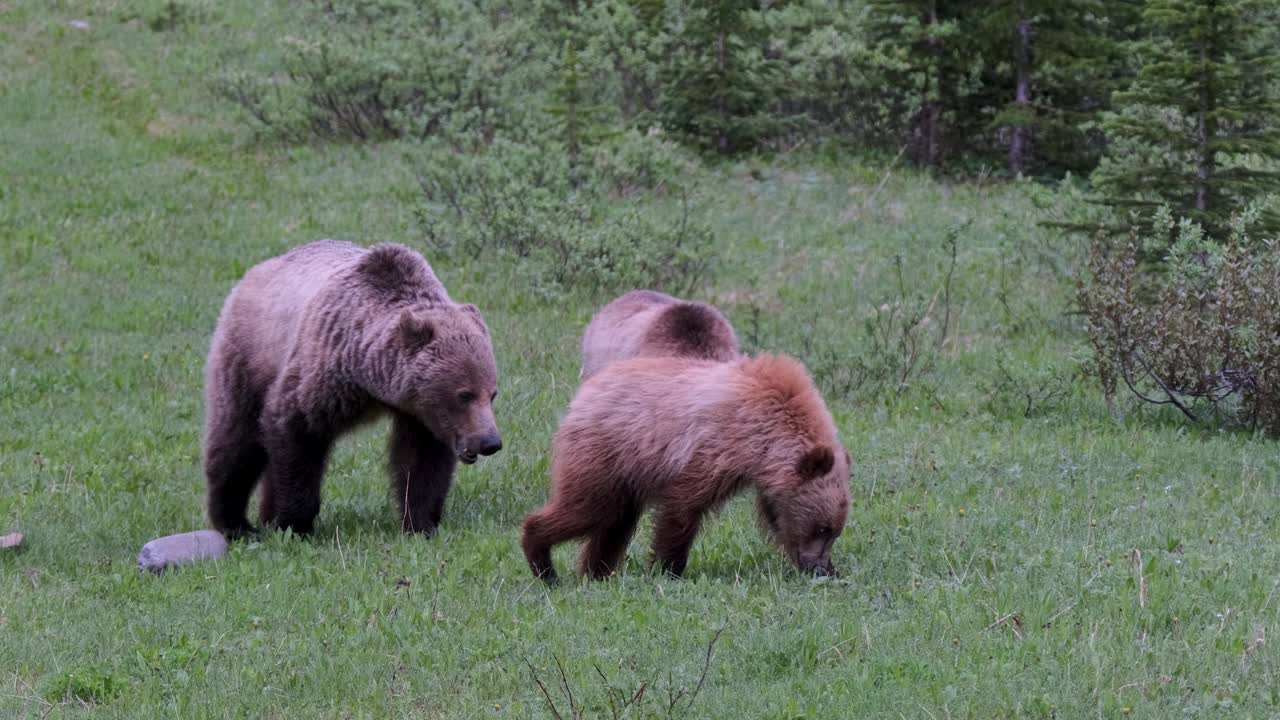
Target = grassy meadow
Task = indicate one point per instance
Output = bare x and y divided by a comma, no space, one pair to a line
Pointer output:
1014,548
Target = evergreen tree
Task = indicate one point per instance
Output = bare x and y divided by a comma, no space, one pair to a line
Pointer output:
580,120
1020,82
1196,130
718,85
578,115
924,36
1056,64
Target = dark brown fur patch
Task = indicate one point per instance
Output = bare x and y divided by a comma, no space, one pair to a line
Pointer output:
644,323
400,274
694,330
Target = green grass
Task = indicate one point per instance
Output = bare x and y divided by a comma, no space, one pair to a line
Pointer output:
988,562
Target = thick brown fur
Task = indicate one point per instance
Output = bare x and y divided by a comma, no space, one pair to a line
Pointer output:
644,323
684,436
327,336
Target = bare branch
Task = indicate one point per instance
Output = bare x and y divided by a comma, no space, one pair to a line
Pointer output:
706,665
564,680
550,703
1173,398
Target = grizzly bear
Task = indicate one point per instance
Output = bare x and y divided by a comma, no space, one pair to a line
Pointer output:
684,436
328,336
644,323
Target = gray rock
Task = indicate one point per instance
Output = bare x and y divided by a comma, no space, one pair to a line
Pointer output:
163,553
12,540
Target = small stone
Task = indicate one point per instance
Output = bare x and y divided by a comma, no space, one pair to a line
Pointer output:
163,553
79,24
12,540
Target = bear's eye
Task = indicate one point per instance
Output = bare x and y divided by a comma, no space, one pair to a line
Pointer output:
467,396
823,531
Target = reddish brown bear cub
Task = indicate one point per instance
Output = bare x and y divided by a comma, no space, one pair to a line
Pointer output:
316,341
644,323
684,436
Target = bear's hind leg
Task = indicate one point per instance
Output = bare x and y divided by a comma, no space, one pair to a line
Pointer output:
552,524
233,454
608,542
421,470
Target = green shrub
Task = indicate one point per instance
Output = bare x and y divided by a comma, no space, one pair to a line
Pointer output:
842,82
1199,330
520,200
636,162
377,69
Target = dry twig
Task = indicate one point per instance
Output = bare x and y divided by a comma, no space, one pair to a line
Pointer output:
1142,579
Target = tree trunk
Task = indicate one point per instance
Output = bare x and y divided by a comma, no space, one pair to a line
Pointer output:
1206,122
1022,95
722,101
932,110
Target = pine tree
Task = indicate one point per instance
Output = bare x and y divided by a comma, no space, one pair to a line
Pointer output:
1196,131
572,106
718,84
1059,62
924,35
580,117
1019,82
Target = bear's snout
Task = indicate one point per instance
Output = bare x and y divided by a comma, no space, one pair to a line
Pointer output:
490,444
476,446
814,557
820,566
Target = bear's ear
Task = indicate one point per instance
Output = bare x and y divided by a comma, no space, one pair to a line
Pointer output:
415,330
815,462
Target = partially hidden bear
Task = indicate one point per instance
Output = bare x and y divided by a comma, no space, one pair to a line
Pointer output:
644,323
683,436
321,339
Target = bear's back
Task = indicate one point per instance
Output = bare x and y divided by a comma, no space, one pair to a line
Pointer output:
617,329
264,312
650,412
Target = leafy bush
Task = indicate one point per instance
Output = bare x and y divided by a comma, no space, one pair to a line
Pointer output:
376,69
172,14
1019,389
567,229
637,162
1201,329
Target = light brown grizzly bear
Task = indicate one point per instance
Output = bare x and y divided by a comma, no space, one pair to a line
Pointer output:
644,323
684,436
325,337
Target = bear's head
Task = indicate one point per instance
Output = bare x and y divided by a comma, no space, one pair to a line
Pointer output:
805,512
444,375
